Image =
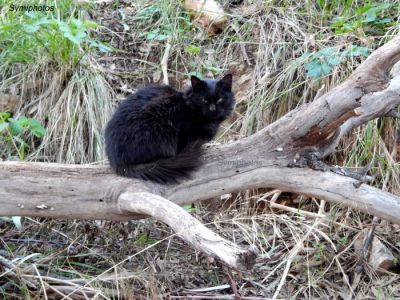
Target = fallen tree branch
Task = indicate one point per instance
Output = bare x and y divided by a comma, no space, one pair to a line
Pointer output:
187,227
261,160
59,190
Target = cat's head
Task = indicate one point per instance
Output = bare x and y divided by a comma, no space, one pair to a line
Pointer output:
214,98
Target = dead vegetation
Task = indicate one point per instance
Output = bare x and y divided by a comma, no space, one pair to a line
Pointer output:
306,245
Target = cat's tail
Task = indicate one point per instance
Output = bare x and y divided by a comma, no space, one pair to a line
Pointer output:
167,170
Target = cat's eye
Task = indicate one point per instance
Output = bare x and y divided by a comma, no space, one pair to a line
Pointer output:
220,100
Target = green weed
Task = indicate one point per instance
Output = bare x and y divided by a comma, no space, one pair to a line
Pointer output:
322,62
14,133
48,59
35,35
171,21
320,250
373,18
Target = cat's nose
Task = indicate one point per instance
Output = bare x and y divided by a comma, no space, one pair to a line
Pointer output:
212,107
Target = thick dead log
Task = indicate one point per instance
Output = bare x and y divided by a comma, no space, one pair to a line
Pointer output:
261,160
56,190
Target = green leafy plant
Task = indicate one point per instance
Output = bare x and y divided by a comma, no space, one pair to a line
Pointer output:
343,241
214,70
172,22
190,208
159,34
27,36
197,74
149,13
14,133
371,17
320,251
144,239
322,62
192,49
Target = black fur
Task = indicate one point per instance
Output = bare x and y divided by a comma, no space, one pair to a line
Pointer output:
156,134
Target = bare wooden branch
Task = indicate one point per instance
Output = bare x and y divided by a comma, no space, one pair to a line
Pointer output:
187,227
164,63
261,160
56,190
316,124
372,105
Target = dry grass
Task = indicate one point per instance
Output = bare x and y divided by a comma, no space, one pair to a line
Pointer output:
306,245
74,106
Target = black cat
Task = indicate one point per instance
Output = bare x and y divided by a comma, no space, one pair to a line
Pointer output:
156,134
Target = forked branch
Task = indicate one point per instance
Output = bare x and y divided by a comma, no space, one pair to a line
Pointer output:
261,160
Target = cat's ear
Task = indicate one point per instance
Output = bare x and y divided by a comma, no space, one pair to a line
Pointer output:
197,83
226,81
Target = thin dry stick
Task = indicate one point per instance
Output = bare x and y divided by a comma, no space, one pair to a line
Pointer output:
294,251
292,254
60,293
242,48
116,265
321,208
297,211
320,92
164,63
345,277
72,282
13,270
273,204
41,281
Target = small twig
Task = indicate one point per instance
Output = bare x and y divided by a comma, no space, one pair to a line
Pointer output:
320,92
10,267
64,297
360,175
321,208
370,235
58,244
273,204
305,213
242,48
217,296
296,211
86,293
41,281
164,63
292,255
7,264
366,246
209,289
232,283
